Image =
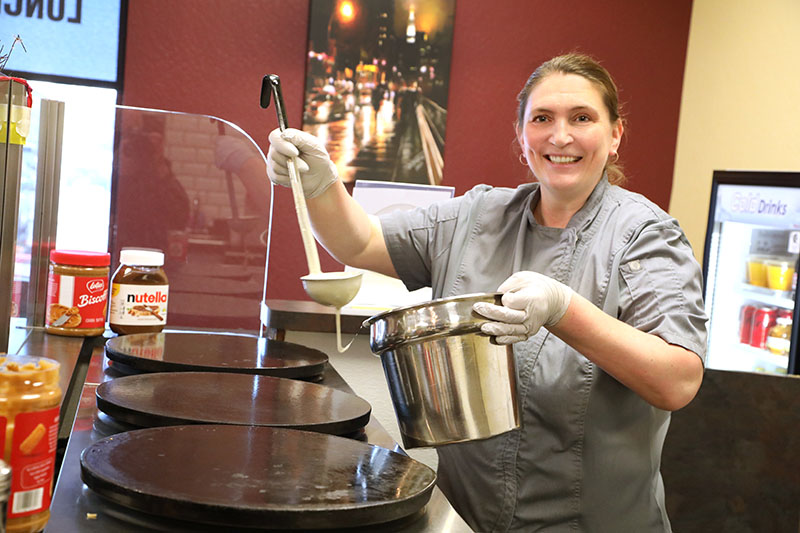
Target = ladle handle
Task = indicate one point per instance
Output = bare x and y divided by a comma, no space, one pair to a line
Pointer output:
309,244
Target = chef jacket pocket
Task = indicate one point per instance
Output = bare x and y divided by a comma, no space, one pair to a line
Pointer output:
651,291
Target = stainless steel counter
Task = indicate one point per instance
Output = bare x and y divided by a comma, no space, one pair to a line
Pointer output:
76,508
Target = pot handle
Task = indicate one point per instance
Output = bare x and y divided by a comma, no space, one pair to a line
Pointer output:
366,324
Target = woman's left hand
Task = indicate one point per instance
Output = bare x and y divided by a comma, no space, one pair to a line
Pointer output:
530,301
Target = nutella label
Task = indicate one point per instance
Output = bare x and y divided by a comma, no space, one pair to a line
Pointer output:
76,301
33,458
138,305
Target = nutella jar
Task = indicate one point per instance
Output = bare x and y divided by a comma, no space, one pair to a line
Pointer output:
139,292
77,293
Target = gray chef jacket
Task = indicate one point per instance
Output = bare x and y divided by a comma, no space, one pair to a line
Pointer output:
587,456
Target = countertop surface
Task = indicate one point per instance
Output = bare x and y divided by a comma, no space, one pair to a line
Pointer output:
75,507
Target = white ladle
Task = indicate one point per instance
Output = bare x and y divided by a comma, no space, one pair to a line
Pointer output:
335,289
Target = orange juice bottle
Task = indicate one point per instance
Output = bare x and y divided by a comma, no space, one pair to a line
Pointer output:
757,271
779,274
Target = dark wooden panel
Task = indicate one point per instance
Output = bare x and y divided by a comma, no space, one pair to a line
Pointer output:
731,461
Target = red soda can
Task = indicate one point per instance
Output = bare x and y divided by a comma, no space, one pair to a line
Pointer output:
746,323
785,313
763,319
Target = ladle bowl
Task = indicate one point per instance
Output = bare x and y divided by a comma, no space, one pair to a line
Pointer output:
336,289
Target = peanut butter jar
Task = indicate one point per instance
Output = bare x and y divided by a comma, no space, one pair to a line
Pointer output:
30,397
77,293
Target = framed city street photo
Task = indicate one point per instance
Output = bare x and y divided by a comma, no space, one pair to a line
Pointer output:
377,80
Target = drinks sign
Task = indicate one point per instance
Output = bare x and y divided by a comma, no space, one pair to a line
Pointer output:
769,206
754,203
67,38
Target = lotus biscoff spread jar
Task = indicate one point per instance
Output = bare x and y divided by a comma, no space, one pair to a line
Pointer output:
139,292
30,397
77,293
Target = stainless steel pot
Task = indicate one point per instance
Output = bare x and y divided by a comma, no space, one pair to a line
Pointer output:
448,382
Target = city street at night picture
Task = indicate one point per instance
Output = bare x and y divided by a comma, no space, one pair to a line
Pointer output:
376,87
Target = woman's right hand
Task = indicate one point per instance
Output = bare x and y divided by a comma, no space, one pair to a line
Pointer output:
530,301
317,171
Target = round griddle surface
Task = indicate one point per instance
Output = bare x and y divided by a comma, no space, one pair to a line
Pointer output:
212,352
174,398
256,477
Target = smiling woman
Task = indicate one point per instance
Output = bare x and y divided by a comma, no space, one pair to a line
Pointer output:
601,300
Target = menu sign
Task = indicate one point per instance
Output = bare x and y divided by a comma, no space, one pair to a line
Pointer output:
69,38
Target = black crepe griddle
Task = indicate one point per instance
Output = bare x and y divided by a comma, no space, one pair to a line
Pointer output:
212,352
174,398
246,476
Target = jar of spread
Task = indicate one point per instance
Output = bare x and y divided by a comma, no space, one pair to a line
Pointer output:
779,336
30,397
77,293
139,292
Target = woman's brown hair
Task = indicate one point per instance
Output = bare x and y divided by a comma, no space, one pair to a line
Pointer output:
586,67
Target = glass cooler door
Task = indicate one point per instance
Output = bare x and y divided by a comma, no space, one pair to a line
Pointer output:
751,259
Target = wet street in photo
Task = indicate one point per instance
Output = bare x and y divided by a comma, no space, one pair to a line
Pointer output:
361,144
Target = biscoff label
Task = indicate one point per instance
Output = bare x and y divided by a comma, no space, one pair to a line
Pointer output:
76,301
33,459
138,305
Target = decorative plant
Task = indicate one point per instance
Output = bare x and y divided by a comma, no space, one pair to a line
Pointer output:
4,57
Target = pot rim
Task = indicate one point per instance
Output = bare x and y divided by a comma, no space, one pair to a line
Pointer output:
472,296
423,321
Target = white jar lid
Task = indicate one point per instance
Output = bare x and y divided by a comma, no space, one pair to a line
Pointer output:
5,480
141,257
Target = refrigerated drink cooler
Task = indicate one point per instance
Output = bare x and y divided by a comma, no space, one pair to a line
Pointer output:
750,267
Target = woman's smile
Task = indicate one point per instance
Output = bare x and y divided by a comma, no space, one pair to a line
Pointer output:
562,159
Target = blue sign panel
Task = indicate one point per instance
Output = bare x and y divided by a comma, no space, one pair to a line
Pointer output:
70,38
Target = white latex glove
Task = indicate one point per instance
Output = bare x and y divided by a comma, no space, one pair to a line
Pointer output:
317,171
530,301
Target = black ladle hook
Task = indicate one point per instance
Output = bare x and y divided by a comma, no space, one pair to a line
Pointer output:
272,84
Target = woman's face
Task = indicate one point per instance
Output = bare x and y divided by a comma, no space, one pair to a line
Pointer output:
567,135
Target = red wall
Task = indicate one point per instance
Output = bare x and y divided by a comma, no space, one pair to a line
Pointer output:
208,57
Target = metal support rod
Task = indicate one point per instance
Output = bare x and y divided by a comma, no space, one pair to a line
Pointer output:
45,217
11,168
